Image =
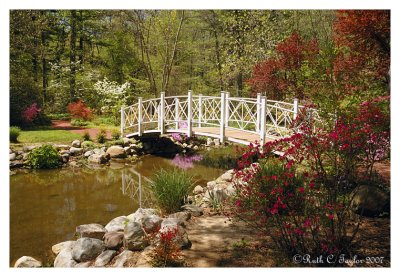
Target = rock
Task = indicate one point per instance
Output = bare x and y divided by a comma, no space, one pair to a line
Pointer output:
113,240
65,158
86,249
75,151
227,176
173,222
76,143
217,142
117,224
27,261
127,141
211,185
181,237
16,164
370,200
144,259
195,148
25,156
140,214
134,236
61,146
98,158
93,230
198,190
181,216
104,258
29,148
230,190
10,151
88,153
83,265
151,223
210,142
13,156
64,258
57,248
125,258
63,152
116,152
193,209
99,151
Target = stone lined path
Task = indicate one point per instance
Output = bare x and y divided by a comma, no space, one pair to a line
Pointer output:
211,236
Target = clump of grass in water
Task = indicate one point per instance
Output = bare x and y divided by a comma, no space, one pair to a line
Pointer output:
170,189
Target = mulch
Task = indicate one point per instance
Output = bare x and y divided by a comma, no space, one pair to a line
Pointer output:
66,125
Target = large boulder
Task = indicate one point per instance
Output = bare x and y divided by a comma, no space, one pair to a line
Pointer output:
370,200
64,258
27,261
140,214
88,153
98,158
104,258
87,249
193,209
135,237
117,224
171,221
227,176
126,258
75,151
76,143
198,190
116,151
57,248
151,223
92,230
181,216
13,156
114,240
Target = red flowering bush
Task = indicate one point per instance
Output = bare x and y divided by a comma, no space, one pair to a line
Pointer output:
79,110
302,199
167,253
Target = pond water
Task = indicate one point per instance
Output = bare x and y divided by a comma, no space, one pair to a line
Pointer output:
47,205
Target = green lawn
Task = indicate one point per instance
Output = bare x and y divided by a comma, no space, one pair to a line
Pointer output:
59,136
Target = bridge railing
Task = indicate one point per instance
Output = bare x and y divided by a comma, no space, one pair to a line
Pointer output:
266,118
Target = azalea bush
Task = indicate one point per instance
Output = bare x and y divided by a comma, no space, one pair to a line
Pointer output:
167,252
302,199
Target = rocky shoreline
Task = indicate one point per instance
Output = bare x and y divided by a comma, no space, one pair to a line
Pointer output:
128,150
128,241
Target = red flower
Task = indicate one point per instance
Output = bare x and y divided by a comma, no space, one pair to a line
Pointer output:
301,189
331,216
307,223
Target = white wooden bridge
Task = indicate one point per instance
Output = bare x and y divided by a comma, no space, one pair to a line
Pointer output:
240,120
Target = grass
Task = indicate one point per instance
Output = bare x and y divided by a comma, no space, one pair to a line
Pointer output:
43,136
224,157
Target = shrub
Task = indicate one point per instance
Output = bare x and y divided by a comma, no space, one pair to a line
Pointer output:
30,113
59,116
101,136
45,156
79,110
86,136
302,200
167,253
14,133
79,122
115,134
224,157
170,189
87,144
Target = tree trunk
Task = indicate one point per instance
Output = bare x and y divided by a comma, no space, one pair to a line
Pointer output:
72,56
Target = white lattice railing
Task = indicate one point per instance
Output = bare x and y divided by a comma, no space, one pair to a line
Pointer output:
266,118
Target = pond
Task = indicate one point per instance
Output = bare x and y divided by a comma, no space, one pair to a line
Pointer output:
47,205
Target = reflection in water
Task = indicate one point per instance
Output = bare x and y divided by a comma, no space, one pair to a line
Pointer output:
137,187
47,205
185,162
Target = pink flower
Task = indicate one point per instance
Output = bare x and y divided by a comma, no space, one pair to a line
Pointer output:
301,189
307,223
331,216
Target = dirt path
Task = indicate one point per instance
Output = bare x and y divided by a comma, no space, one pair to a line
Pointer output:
211,237
66,125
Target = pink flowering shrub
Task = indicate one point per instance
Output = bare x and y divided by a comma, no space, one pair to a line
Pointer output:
302,199
30,113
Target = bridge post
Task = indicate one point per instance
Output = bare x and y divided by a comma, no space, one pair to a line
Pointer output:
161,113
263,119
177,113
189,114
122,121
258,112
295,108
200,108
227,109
222,124
140,131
